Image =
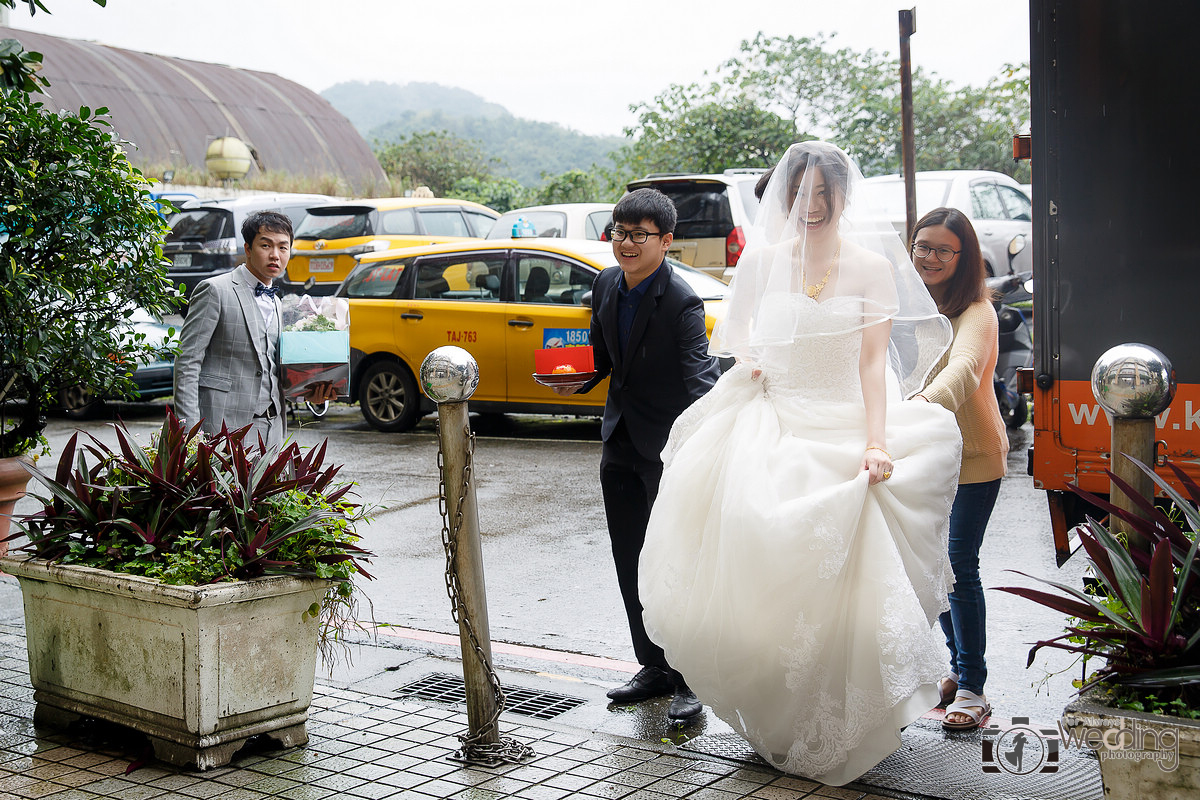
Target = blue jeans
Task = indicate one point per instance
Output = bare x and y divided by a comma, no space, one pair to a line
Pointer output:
965,623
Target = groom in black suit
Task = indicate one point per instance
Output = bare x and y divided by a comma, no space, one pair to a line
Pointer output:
648,336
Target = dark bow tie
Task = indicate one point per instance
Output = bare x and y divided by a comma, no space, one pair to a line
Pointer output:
260,290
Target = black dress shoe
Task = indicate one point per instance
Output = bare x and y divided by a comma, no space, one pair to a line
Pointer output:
684,706
649,682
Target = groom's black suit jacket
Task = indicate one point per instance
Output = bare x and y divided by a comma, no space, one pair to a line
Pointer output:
666,366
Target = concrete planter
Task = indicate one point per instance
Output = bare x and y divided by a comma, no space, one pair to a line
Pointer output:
1142,756
197,669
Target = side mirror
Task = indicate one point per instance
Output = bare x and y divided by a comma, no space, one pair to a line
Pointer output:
587,298
1016,245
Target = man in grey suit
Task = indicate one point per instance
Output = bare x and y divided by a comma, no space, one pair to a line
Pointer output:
228,370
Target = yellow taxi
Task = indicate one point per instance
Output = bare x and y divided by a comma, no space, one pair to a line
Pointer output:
330,236
499,300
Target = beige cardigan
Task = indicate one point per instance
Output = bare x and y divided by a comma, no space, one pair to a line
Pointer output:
962,383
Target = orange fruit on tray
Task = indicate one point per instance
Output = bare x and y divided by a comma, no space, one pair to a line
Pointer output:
563,369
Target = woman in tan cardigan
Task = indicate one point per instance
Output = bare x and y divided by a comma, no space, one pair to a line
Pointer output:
946,253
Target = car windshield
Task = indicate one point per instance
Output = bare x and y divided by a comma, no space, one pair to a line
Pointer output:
708,287
548,224
201,225
703,209
886,198
335,225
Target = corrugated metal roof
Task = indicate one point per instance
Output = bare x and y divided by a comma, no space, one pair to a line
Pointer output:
171,108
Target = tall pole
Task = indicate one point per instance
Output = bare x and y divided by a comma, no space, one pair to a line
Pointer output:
908,26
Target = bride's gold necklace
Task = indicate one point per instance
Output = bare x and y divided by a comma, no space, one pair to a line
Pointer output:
812,290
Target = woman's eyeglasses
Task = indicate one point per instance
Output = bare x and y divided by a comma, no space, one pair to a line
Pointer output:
637,237
944,254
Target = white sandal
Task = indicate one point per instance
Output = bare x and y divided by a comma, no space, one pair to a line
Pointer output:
948,688
969,704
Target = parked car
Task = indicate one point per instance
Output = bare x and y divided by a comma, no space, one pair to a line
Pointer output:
206,235
499,300
713,213
332,236
558,221
167,203
995,203
153,379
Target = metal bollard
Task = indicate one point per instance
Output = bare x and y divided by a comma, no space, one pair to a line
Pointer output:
1133,383
449,376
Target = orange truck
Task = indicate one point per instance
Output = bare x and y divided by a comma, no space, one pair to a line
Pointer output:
1116,255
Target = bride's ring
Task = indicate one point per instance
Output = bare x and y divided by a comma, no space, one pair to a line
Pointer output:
887,475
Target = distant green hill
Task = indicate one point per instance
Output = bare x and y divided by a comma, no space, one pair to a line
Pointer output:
524,148
369,105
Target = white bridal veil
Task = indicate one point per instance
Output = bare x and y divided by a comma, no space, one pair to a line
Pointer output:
811,244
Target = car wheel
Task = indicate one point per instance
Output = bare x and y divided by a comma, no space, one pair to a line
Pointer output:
79,402
388,397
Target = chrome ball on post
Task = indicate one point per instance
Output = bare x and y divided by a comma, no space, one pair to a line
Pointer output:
1133,381
449,375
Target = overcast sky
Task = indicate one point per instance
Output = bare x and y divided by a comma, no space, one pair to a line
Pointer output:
580,64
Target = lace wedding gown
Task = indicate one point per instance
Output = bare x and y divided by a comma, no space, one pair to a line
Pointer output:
797,600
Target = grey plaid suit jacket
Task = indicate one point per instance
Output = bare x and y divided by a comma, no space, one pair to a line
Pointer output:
219,370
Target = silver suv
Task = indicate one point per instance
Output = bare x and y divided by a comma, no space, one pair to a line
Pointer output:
714,211
206,235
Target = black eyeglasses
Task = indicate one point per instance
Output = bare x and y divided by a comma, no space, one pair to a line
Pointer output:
637,237
944,254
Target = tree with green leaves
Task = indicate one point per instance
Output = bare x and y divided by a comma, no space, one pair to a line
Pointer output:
779,90
437,159
703,129
572,186
80,249
500,194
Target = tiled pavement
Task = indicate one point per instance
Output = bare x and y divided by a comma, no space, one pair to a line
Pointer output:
366,746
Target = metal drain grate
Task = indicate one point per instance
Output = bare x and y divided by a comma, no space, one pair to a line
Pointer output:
724,745
442,688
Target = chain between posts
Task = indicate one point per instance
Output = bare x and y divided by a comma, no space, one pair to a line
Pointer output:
474,751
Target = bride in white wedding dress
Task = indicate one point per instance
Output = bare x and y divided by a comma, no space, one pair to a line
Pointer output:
796,561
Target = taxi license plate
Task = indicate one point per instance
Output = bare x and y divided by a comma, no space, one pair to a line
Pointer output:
320,265
182,260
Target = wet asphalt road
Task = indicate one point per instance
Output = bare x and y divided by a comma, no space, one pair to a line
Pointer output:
550,581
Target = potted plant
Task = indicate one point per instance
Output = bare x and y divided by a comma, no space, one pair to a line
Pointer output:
183,588
80,251
1140,614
